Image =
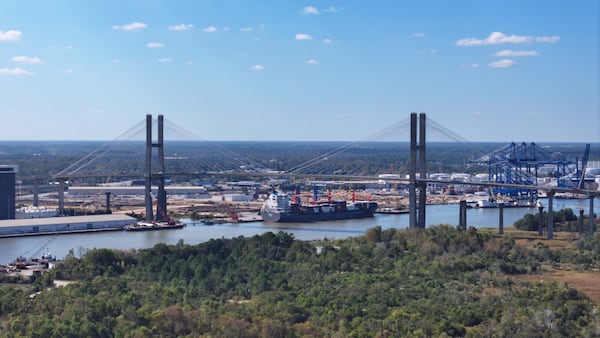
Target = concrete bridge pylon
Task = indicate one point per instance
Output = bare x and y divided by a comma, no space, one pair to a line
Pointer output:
161,204
418,161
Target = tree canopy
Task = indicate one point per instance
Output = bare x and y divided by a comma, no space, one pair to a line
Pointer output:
439,281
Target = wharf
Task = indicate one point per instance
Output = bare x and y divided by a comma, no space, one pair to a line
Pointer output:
61,232
63,225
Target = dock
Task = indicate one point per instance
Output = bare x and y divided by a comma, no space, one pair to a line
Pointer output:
63,225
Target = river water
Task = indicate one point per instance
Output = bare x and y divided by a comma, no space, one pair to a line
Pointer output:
60,245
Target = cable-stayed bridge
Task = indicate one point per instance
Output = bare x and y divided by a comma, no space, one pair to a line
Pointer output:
184,153
386,151
187,153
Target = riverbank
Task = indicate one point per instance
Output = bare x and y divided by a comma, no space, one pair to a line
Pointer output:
436,214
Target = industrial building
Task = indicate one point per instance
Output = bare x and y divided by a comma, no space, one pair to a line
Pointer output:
7,191
55,225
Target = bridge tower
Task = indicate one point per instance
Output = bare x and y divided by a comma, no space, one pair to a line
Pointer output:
418,161
161,205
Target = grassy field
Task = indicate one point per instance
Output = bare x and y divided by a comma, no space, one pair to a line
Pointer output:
584,281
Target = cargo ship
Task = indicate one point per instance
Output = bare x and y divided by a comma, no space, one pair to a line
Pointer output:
279,207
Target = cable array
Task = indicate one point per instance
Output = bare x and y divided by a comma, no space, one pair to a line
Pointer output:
385,151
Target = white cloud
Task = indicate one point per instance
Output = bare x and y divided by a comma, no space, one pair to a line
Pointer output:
26,60
190,63
310,10
131,26
332,9
508,52
548,39
418,35
210,29
164,60
474,65
226,29
496,38
181,27
257,68
68,71
504,63
328,41
14,71
311,62
246,29
493,39
303,37
155,45
11,35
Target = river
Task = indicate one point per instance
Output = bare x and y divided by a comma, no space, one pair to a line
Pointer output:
60,245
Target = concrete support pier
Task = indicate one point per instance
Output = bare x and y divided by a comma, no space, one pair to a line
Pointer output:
108,201
500,218
36,193
591,228
462,215
550,215
580,223
540,221
61,197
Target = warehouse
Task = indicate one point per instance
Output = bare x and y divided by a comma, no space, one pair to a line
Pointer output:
57,225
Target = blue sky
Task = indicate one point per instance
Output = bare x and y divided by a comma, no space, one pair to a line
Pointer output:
295,70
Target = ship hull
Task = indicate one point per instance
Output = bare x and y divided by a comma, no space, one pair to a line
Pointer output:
306,216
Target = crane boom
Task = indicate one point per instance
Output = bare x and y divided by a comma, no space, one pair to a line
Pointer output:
584,162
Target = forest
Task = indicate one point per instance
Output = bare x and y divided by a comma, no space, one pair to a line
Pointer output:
441,281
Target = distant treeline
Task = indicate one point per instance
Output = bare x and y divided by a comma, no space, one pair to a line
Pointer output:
46,158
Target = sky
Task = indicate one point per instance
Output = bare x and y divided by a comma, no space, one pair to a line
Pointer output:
510,71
